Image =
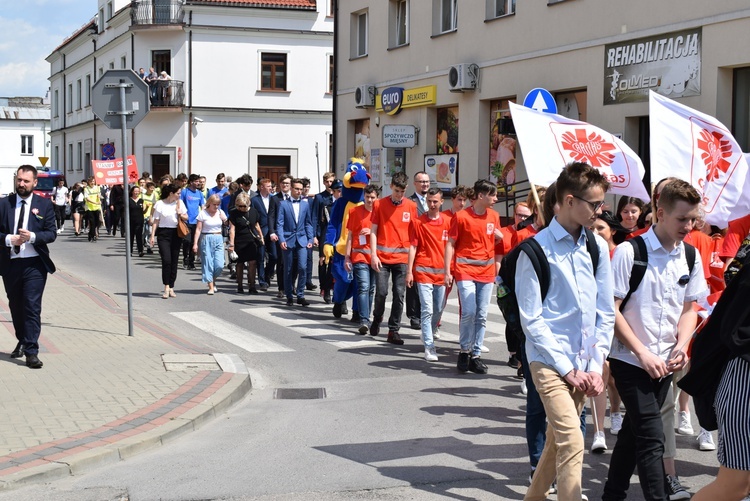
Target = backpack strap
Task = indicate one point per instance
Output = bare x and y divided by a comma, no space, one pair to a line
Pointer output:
593,249
690,256
640,263
539,261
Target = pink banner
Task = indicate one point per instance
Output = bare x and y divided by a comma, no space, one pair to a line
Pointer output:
110,171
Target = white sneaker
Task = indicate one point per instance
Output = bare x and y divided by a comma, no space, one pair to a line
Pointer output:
600,444
59,231
430,355
615,425
436,334
485,349
684,427
706,441
524,389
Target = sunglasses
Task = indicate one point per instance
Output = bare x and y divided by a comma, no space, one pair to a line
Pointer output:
241,206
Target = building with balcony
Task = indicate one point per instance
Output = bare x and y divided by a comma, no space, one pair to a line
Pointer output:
24,129
250,88
447,70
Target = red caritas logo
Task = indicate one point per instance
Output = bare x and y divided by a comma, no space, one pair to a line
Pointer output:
714,151
589,148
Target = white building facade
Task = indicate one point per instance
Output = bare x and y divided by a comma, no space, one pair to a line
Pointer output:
458,64
251,88
24,129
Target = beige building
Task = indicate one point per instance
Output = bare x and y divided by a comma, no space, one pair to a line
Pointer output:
459,63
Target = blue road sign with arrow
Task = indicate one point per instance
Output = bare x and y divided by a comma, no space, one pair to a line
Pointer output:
541,100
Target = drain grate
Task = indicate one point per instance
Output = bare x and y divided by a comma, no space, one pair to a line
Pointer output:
299,393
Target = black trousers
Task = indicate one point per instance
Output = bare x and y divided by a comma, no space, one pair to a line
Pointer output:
24,281
641,440
188,256
136,232
117,220
92,216
60,215
413,306
169,250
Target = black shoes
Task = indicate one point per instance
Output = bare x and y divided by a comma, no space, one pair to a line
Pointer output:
33,362
327,297
394,338
415,324
363,329
344,309
289,301
463,362
149,251
355,317
240,289
311,287
17,352
514,362
375,326
252,290
337,309
477,366
302,301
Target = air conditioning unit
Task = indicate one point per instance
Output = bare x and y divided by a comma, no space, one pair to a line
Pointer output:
364,96
463,77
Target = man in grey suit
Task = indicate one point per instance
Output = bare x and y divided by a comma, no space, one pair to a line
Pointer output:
27,225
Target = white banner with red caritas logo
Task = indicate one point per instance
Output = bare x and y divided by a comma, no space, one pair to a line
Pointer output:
697,148
549,142
110,171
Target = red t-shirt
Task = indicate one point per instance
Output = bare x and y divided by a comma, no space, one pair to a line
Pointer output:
359,219
393,229
705,246
524,233
429,237
738,230
506,244
474,237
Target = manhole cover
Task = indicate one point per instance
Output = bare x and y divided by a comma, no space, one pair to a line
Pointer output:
299,393
189,362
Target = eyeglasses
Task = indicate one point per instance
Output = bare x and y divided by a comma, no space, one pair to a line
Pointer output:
241,206
594,205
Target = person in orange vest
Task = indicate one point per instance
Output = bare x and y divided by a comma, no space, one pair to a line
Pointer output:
427,236
389,248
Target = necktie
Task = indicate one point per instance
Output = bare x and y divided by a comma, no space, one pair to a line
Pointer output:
17,248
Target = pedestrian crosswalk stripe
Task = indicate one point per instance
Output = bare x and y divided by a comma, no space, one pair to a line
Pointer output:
231,333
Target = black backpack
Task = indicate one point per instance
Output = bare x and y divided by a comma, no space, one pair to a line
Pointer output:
508,302
640,263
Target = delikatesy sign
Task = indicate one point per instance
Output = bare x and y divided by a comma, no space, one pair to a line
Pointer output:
399,136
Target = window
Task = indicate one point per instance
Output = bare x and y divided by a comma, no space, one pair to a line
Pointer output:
448,16
100,21
101,72
741,107
123,63
70,156
27,145
500,8
330,74
56,103
272,71
109,11
78,94
69,107
111,65
56,157
88,90
330,8
359,34
399,25
79,158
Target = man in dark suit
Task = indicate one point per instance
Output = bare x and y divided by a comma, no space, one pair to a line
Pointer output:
285,188
27,225
267,207
413,306
321,209
295,231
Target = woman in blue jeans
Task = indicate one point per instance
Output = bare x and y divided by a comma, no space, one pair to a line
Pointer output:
357,258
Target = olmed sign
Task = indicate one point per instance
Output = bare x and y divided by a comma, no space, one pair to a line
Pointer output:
409,98
399,136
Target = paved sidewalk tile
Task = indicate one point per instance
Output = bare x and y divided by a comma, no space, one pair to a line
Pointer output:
102,395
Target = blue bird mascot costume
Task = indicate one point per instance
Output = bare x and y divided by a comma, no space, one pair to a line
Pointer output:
355,180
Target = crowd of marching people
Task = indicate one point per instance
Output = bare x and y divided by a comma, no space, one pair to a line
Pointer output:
601,306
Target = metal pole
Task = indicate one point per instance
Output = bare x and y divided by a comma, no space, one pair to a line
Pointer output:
126,195
317,157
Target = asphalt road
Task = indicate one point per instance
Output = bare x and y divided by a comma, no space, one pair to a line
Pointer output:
390,426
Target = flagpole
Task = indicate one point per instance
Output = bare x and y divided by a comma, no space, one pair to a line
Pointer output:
539,208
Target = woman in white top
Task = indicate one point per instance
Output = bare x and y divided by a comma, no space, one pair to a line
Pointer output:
208,233
164,229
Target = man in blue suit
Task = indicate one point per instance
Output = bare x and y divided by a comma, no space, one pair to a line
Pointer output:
267,207
295,231
27,225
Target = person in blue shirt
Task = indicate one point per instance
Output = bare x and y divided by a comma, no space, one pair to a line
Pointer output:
193,199
221,186
569,332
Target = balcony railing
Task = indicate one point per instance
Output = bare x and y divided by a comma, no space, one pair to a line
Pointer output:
165,93
157,12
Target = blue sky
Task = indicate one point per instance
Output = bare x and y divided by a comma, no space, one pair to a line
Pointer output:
29,31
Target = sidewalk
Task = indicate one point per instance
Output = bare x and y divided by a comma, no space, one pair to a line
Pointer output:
102,396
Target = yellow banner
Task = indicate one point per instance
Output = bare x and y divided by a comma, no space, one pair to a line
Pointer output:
420,96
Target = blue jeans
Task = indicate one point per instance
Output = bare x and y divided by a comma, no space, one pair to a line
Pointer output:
212,256
365,277
431,298
475,300
289,255
398,272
